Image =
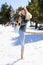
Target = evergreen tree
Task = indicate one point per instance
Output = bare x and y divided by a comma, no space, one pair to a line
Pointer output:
36,9
5,13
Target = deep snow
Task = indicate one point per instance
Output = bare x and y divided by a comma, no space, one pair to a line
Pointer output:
10,52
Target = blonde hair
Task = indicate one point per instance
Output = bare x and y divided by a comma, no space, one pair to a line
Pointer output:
28,15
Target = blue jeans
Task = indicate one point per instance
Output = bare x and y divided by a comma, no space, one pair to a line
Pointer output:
21,37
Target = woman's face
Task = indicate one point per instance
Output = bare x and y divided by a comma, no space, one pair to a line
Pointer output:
23,12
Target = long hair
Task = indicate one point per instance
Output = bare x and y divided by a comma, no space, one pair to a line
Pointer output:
28,15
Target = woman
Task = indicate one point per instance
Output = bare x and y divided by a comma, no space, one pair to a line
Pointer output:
25,15
20,26
22,30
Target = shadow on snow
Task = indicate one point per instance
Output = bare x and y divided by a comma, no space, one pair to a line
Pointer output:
28,39
13,62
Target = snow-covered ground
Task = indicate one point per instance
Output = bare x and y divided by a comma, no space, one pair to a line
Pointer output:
10,53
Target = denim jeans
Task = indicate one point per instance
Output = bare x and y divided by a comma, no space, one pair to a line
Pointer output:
21,37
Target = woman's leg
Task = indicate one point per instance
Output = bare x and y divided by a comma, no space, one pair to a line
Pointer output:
22,41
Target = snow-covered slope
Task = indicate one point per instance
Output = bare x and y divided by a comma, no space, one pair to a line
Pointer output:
10,53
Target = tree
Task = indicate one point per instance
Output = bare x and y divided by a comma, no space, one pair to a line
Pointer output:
40,18
5,13
35,7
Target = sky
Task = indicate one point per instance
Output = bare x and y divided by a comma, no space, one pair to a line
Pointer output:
15,3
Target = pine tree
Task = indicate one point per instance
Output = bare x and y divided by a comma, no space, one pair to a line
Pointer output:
36,9
5,13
